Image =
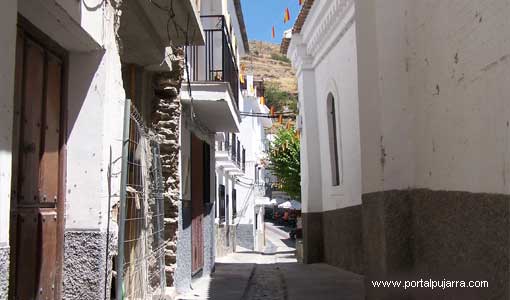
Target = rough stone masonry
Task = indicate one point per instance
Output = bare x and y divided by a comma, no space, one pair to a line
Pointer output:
166,114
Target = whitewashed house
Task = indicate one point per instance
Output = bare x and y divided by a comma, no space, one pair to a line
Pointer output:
210,105
405,140
67,69
251,185
240,176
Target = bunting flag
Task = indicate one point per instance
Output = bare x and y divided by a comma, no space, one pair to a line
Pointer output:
273,33
286,17
301,2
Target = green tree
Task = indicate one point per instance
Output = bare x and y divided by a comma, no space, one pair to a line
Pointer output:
285,161
278,98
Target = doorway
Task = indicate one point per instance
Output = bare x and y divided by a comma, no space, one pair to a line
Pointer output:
197,204
36,230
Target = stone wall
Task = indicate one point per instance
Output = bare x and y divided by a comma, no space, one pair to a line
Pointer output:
165,121
85,264
4,272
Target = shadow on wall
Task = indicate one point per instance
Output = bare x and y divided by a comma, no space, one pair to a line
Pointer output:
83,67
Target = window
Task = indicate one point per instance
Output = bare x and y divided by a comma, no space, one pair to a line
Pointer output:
234,203
221,194
333,141
256,173
207,173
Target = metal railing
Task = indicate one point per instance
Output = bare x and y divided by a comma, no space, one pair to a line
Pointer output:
141,257
216,60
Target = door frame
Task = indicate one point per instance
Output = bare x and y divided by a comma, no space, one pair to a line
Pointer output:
196,269
26,30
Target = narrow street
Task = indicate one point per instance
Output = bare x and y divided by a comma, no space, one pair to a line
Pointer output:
275,275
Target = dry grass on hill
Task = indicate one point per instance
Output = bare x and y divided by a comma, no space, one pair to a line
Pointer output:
267,63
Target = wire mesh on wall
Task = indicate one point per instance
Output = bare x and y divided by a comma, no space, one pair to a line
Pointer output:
141,224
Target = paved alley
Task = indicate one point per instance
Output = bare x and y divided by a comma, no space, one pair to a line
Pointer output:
275,275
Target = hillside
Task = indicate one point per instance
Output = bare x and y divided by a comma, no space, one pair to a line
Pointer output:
266,62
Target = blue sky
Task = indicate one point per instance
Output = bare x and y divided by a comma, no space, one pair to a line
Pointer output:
261,15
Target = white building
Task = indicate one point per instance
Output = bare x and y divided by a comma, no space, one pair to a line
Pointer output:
210,105
67,68
405,138
240,176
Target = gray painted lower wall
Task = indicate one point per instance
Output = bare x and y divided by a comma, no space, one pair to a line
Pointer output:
415,234
182,276
244,236
85,267
209,243
343,238
313,238
4,272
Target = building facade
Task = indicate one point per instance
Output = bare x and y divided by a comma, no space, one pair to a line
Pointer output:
210,97
240,175
404,141
68,70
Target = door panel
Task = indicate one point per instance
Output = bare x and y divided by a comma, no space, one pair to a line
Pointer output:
48,250
36,231
197,203
48,179
31,121
26,249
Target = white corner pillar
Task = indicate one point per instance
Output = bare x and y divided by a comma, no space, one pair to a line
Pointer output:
8,20
311,179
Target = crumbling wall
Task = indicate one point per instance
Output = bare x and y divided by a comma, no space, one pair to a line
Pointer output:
166,114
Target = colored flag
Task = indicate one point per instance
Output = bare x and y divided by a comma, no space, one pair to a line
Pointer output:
273,33
301,2
286,17
250,86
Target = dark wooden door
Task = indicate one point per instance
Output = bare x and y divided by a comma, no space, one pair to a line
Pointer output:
35,225
197,203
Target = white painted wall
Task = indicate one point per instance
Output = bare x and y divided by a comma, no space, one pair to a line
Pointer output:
96,105
344,88
432,84
8,20
440,98
252,137
326,62
462,132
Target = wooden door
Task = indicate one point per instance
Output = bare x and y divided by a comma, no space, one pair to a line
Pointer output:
197,203
36,231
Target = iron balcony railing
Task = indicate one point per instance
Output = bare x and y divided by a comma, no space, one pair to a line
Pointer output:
216,60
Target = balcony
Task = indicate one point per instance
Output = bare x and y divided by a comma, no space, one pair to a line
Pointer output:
146,29
214,77
230,154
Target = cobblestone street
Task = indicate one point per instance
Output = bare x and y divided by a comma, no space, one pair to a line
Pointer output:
275,275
